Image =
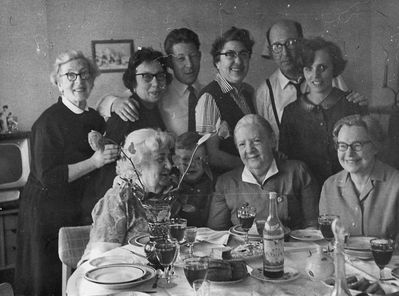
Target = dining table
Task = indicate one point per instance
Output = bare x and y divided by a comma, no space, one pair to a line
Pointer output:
296,256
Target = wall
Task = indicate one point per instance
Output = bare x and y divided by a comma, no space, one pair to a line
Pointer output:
40,29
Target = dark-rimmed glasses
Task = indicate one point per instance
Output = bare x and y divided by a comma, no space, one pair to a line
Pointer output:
148,77
232,54
355,146
71,76
277,47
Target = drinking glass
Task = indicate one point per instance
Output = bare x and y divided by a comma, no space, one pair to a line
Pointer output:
166,252
195,268
325,222
246,216
382,250
190,235
177,228
202,288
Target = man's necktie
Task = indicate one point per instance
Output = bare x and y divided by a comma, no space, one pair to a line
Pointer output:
192,102
297,86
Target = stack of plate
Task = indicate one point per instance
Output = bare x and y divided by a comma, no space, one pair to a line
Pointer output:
120,276
359,247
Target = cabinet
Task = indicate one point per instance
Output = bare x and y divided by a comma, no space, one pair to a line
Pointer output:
8,237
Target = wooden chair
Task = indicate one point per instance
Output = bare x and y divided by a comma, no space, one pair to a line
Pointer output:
72,242
6,289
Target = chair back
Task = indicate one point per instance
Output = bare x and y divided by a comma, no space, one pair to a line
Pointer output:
72,242
6,289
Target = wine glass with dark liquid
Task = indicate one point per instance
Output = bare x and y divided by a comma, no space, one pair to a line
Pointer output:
195,268
382,250
166,252
246,216
325,222
177,228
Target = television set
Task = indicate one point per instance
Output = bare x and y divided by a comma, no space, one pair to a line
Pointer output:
14,162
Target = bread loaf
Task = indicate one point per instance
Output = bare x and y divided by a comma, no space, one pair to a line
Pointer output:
238,269
219,271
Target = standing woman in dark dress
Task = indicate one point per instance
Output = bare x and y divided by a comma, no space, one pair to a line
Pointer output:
61,163
146,77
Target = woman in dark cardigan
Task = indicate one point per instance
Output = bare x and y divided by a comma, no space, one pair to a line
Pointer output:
147,78
61,164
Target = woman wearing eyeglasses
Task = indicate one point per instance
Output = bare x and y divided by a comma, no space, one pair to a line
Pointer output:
366,193
306,125
61,165
227,98
147,78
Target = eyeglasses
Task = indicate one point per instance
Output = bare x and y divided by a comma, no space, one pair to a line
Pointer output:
231,54
148,77
355,146
71,76
277,47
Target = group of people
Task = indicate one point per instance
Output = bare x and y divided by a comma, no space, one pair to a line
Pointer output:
301,134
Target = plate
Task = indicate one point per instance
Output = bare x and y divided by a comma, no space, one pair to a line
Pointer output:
358,243
253,250
109,260
365,254
309,235
139,240
149,274
228,282
290,274
237,230
395,272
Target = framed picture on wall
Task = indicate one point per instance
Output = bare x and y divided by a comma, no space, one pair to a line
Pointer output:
112,55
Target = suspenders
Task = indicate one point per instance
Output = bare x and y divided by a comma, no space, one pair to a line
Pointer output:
273,102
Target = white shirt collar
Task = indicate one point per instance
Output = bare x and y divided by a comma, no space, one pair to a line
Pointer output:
284,81
247,176
180,88
72,107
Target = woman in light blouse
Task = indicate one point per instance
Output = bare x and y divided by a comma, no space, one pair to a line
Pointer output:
366,193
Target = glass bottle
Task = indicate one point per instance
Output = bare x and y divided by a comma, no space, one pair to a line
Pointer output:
340,286
273,242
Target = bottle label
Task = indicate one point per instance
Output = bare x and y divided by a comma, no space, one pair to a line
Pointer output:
273,254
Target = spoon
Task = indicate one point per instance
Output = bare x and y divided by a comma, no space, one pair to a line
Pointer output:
158,274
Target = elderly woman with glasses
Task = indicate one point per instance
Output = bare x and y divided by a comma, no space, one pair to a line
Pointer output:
61,166
366,193
119,215
227,98
147,78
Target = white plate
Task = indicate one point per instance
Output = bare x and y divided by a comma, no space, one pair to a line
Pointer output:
309,235
139,240
116,274
150,273
237,230
242,251
109,260
290,274
365,255
358,243
229,282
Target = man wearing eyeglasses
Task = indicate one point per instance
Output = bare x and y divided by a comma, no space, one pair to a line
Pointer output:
285,85
177,106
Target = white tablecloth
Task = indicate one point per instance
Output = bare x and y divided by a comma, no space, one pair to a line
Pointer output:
296,254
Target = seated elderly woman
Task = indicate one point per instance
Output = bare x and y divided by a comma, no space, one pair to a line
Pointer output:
366,193
263,173
307,123
119,215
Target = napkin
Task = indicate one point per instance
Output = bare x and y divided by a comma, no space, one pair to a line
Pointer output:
205,234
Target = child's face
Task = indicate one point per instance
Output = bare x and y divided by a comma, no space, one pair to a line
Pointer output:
196,169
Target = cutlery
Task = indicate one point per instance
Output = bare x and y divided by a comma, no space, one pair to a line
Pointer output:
157,276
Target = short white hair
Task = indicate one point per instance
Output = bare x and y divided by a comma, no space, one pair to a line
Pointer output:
68,56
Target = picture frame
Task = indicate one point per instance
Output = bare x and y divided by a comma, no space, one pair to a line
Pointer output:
112,55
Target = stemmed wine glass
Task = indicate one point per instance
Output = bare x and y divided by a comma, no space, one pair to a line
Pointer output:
325,222
177,228
382,250
190,235
195,268
246,216
166,252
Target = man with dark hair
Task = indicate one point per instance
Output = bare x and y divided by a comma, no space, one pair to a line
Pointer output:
283,45
184,57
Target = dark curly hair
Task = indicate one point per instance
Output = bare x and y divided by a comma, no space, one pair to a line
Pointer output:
310,46
145,54
233,34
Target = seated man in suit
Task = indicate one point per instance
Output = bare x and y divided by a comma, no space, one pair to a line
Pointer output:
263,173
